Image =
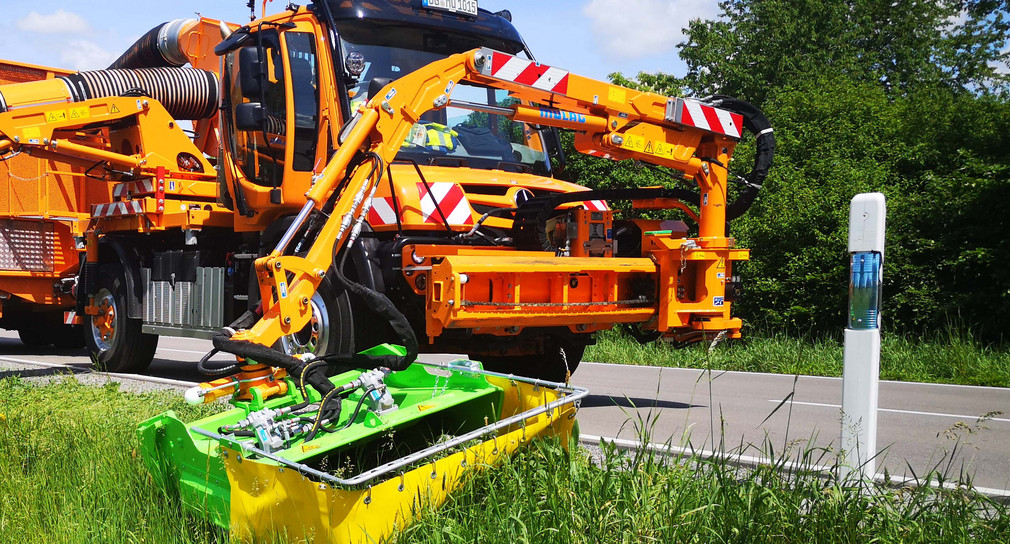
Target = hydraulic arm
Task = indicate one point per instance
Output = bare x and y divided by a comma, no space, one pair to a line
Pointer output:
685,279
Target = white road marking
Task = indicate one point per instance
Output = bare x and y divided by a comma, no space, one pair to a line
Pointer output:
786,466
912,412
87,368
804,376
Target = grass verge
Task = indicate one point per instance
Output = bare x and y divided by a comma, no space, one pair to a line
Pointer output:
70,472
952,357
545,495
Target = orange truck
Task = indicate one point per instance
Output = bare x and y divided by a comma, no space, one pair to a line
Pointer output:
348,173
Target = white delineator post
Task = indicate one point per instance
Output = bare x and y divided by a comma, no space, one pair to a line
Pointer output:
861,373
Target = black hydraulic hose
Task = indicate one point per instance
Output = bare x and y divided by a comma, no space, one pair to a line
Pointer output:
380,304
357,409
268,356
201,366
756,122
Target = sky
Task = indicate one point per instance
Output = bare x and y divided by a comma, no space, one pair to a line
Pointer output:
589,37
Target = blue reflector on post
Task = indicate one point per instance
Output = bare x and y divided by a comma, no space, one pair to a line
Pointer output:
864,290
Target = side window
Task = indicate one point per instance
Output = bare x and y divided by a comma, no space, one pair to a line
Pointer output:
260,153
305,94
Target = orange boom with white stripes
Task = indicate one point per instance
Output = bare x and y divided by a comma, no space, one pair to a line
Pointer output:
331,177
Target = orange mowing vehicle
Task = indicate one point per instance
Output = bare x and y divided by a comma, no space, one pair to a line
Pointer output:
330,190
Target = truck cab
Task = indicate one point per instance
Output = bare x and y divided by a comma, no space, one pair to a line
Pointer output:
292,81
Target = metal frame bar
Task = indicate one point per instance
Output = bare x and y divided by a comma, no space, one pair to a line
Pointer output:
573,395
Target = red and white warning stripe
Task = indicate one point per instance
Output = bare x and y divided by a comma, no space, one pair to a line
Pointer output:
381,213
695,114
130,207
144,186
451,200
70,317
527,72
595,205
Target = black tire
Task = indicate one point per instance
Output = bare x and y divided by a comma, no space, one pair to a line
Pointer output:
69,337
115,340
560,359
35,337
331,329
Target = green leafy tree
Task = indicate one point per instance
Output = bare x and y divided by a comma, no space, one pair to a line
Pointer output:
907,97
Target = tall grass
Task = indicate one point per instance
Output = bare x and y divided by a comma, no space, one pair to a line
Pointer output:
950,357
546,495
70,473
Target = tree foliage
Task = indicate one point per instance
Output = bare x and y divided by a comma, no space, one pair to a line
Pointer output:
906,97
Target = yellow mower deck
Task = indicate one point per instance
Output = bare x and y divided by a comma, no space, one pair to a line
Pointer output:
239,486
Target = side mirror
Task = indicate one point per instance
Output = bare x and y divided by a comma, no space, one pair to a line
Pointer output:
376,85
252,73
250,116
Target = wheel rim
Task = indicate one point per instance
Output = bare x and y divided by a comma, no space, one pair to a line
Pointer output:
314,336
103,325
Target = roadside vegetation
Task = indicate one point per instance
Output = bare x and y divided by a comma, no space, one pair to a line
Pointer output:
70,473
950,357
866,96
70,470
547,495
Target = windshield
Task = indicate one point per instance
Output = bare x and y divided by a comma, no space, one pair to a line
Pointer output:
452,136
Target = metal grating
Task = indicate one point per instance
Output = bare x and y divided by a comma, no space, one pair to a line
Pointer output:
191,305
26,246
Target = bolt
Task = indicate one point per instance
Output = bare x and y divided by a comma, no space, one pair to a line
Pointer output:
580,327
478,60
573,283
287,320
17,139
305,301
704,167
45,141
613,124
277,265
617,139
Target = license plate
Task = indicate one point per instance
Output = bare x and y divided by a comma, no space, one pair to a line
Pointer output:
468,7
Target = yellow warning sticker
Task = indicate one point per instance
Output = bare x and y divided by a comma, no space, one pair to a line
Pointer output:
423,407
309,447
32,132
80,112
617,94
56,116
722,263
633,142
114,109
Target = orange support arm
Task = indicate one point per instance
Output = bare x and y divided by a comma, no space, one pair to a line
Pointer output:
614,122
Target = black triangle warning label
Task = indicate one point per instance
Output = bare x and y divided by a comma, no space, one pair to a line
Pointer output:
114,109
648,147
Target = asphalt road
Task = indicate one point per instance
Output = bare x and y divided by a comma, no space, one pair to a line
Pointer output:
921,427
